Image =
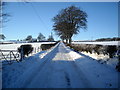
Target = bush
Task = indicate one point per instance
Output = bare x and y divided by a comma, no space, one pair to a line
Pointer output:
99,49
27,49
47,46
111,50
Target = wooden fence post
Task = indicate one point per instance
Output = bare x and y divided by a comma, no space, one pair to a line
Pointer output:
38,49
35,50
21,54
10,58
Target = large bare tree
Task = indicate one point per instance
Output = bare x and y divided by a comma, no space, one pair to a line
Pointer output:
69,21
3,18
3,15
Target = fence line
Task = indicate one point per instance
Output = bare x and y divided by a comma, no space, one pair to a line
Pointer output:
36,50
9,55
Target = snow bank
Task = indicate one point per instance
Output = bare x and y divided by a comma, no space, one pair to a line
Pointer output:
104,59
95,71
101,75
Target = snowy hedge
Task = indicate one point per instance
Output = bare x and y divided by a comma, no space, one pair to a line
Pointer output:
110,50
25,49
99,49
47,46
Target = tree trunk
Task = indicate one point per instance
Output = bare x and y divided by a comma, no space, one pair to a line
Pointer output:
70,40
67,41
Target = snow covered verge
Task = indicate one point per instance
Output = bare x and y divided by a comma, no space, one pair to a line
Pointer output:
103,59
104,54
102,74
100,58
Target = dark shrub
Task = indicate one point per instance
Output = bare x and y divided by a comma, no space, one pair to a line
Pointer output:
27,49
89,48
118,54
111,50
97,49
104,50
47,46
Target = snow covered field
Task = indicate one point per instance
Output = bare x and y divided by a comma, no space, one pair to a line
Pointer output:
100,43
36,48
59,67
15,46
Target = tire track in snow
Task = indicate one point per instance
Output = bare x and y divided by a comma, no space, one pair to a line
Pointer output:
73,71
76,79
68,80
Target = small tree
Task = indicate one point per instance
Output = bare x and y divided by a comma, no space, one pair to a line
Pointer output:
29,38
41,37
50,38
111,50
2,37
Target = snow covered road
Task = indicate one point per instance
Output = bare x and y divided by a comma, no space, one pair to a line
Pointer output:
59,71
64,68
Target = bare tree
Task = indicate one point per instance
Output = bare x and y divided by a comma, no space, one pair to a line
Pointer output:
69,21
3,18
3,15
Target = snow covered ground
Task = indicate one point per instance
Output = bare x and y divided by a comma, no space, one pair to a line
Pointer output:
100,43
36,48
103,59
59,67
15,46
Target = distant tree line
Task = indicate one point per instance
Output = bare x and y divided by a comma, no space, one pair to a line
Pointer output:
40,38
109,39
